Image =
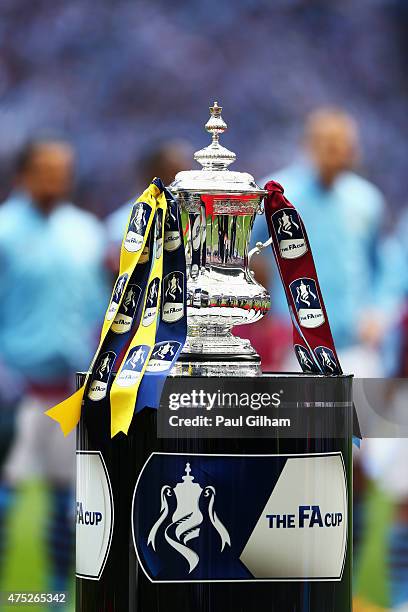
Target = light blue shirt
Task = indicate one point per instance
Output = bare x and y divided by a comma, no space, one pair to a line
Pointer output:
400,242
116,222
53,288
343,224
395,272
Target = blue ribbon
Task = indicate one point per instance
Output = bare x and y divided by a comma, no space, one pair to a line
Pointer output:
172,329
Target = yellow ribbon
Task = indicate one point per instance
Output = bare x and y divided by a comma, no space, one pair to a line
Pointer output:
124,389
68,412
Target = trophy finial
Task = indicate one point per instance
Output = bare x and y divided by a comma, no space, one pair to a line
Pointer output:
215,157
188,478
215,110
188,472
216,124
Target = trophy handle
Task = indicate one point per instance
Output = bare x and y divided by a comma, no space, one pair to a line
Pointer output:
260,246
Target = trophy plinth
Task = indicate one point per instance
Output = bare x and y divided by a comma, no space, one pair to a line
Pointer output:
218,212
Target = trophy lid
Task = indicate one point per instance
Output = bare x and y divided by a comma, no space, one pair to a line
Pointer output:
214,177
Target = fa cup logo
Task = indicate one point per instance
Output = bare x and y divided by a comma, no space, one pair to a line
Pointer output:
187,518
305,359
132,368
307,302
304,294
162,356
99,383
139,219
287,225
172,239
327,359
151,302
173,297
125,315
289,233
116,297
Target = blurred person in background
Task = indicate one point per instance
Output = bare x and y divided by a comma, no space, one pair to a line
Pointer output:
343,214
387,460
163,160
52,296
387,463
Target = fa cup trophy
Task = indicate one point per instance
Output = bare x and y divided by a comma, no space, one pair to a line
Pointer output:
198,493
219,207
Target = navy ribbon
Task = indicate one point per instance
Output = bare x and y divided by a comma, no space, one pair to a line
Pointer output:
172,329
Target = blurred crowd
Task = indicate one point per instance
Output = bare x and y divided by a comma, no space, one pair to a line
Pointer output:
103,128
103,73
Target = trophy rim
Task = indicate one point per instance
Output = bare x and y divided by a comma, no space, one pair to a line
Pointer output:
204,191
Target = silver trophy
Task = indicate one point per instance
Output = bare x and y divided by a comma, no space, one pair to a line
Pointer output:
221,290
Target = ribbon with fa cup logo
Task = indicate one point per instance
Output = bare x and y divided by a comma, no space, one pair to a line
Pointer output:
172,327
150,288
312,337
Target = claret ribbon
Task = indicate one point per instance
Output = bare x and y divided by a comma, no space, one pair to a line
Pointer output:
312,337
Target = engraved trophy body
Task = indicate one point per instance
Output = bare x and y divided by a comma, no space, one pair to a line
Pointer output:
218,211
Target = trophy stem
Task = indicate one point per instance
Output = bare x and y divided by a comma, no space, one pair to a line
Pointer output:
216,351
